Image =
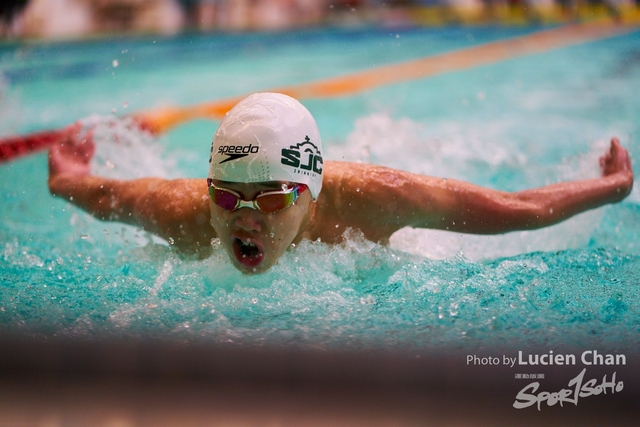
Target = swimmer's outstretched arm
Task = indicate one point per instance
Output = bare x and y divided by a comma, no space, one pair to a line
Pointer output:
175,210
380,201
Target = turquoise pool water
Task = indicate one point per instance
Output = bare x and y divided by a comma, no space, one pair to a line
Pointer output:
512,125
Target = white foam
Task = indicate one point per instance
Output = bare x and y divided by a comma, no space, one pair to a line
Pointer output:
448,150
437,244
125,151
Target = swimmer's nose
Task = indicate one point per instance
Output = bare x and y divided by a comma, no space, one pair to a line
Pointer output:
247,220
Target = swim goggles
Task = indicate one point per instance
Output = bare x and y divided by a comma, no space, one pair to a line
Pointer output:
267,202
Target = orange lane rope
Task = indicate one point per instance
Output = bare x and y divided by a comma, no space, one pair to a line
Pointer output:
163,119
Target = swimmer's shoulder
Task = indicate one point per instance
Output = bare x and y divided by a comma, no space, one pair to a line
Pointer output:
341,202
349,176
178,211
187,199
337,178
178,196
338,171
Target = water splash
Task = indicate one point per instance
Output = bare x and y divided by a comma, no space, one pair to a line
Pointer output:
125,151
417,147
354,295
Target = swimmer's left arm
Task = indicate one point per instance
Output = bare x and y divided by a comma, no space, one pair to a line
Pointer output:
387,200
176,210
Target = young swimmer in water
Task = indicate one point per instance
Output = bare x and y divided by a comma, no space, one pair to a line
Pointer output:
263,191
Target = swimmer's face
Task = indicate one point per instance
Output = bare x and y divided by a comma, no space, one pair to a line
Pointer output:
255,240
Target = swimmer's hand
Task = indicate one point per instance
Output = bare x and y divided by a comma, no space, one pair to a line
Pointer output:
72,154
616,162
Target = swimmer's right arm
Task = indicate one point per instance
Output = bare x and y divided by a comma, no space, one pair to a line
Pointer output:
175,210
379,201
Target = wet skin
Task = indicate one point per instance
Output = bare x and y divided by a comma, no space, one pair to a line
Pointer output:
375,200
254,240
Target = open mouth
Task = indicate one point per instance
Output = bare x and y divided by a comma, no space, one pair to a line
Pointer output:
247,252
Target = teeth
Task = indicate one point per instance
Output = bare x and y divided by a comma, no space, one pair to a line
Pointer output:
247,243
248,249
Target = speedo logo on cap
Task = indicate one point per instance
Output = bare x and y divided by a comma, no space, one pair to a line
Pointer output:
293,156
235,152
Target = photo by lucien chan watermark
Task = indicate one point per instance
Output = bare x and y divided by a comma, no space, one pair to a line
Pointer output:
577,388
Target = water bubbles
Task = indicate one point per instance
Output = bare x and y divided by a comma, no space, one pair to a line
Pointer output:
121,141
453,309
171,240
115,63
367,300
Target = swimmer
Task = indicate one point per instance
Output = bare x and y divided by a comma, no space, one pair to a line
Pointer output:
263,192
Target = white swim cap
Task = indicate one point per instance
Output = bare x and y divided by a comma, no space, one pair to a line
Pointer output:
268,137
